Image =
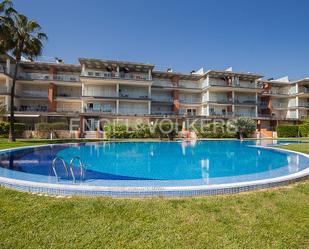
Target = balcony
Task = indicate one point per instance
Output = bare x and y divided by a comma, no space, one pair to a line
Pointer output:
245,101
190,100
221,114
115,75
280,105
304,105
42,76
33,93
240,85
3,90
133,95
34,108
68,109
278,92
162,99
220,101
245,114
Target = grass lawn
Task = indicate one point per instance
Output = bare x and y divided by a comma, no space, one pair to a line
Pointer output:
274,218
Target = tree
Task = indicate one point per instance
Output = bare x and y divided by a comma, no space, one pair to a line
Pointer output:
244,126
20,37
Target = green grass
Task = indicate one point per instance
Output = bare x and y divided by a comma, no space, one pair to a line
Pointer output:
274,218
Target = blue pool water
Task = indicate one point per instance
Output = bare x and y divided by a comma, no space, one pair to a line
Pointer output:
197,162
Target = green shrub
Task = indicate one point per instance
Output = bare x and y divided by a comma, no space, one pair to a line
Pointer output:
43,127
51,126
4,128
116,131
245,127
287,131
213,130
167,130
19,129
303,130
59,126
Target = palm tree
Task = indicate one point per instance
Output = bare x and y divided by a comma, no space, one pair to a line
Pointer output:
20,37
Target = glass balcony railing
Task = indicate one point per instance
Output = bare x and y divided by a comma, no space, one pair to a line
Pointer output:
240,85
35,108
133,95
245,101
3,90
68,109
115,75
46,76
190,100
280,105
162,99
33,93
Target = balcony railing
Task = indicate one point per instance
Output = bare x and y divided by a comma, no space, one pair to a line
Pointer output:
34,93
279,105
36,108
99,110
68,109
133,95
306,105
190,100
221,114
247,101
115,75
42,76
161,99
3,90
278,92
68,95
225,84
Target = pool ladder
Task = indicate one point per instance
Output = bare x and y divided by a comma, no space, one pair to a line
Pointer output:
81,167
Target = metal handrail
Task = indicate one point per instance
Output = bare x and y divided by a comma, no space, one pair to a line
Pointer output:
64,165
80,165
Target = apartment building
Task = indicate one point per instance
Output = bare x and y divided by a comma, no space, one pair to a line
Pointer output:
111,89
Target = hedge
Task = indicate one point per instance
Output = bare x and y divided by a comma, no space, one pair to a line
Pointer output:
5,127
304,130
51,126
288,131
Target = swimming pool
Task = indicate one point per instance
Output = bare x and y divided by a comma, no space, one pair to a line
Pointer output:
181,168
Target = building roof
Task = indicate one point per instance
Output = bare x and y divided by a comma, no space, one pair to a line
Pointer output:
181,76
244,76
276,82
302,81
99,64
35,65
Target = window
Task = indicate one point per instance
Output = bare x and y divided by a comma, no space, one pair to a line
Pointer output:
90,73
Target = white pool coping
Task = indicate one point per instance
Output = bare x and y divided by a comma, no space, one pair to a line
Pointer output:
92,190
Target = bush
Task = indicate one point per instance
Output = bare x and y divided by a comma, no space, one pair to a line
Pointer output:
43,127
116,131
245,127
4,128
167,130
287,131
19,129
304,130
59,126
213,130
51,126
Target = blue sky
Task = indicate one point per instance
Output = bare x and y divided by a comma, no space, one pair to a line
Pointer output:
268,37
